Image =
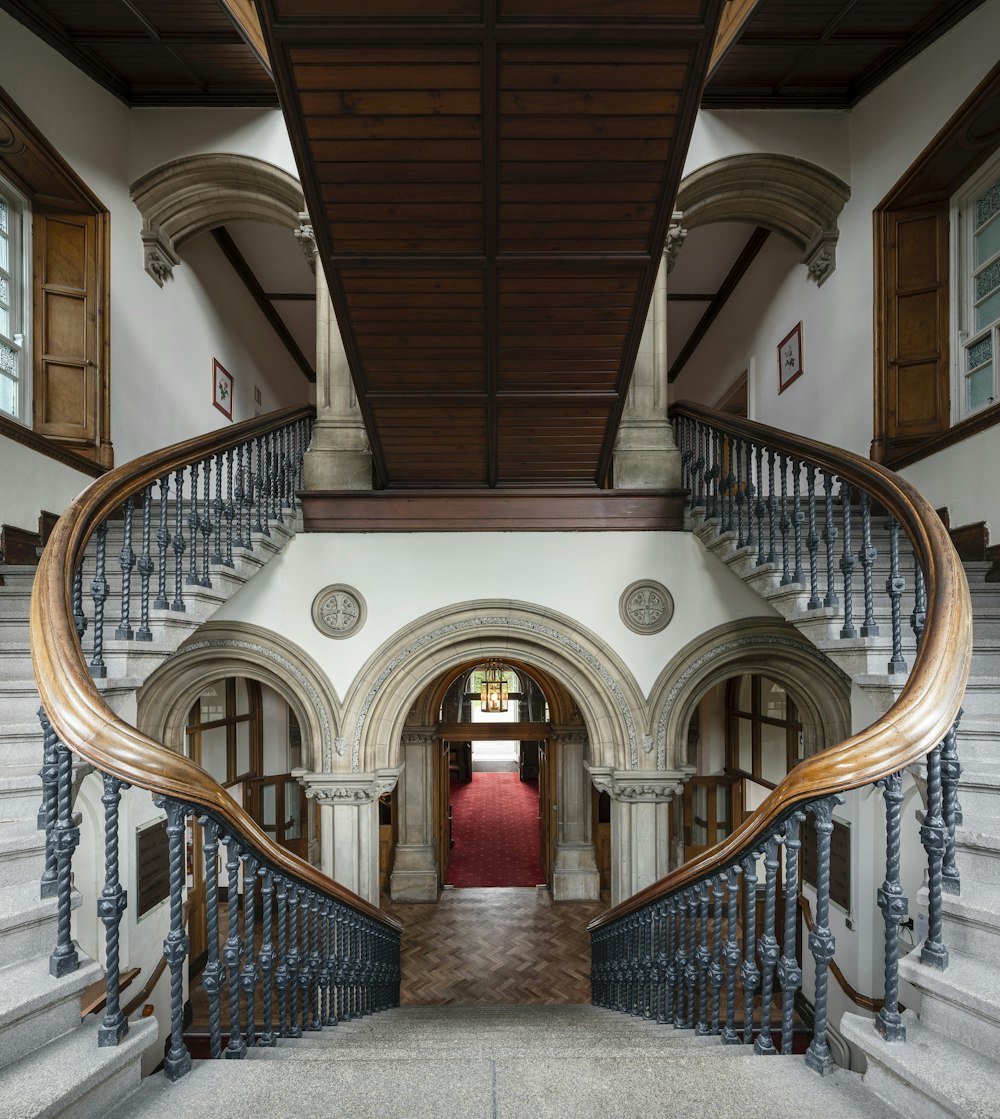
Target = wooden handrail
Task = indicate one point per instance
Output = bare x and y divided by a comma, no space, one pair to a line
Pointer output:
866,1002
929,702
154,976
78,713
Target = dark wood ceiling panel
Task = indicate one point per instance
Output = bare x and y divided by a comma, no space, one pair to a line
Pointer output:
491,190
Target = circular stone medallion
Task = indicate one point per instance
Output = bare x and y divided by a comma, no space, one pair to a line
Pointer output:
646,606
339,610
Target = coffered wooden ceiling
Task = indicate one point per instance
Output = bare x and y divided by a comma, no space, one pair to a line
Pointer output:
491,182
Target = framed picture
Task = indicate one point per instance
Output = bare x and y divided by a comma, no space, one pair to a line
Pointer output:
222,389
790,358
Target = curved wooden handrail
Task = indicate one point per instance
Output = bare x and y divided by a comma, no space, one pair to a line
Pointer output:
924,711
74,705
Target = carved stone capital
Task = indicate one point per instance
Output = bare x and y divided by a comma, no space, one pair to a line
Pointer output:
675,240
574,736
417,736
347,788
820,257
306,237
159,257
631,786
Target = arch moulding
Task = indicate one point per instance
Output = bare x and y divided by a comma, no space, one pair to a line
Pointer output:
793,197
187,196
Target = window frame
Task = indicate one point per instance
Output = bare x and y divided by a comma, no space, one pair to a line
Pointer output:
19,277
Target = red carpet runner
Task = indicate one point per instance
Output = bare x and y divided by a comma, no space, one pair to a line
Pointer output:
495,829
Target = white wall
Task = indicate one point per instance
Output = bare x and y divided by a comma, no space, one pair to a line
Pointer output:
33,482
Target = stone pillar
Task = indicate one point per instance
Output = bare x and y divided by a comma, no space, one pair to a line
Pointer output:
348,844
338,457
575,876
640,826
415,874
646,456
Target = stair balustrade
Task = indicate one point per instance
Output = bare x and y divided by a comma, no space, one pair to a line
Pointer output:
324,950
660,954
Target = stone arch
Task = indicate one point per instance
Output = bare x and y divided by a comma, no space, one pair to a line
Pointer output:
221,649
610,702
775,649
188,196
789,196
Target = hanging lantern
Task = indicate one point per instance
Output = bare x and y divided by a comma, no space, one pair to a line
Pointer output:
493,692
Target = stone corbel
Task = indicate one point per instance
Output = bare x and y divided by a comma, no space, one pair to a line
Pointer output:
634,787
575,736
306,237
675,240
347,788
158,253
820,257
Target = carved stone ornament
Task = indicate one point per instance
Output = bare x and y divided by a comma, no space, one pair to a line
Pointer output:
628,786
675,240
646,606
348,789
339,610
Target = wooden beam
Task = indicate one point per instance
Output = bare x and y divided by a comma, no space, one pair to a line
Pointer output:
245,273
735,16
493,732
243,13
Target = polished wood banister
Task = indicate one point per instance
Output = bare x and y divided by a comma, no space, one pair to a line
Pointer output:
929,702
73,703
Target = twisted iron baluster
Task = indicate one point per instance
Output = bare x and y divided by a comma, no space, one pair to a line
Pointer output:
895,586
64,958
892,901
821,941
144,633
229,510
772,508
281,971
175,945
194,521
326,974
867,555
691,964
661,963
784,524
669,967
732,955
249,975
699,466
239,503
260,511
305,958
704,961
829,540
740,496
713,472
161,602
761,506
178,542
951,771
110,907
715,972
789,972
315,963
730,484
341,966
99,593
233,952
214,974
918,617
748,969
49,811
294,1029
812,540
933,836
797,518
847,563
276,474
126,561
751,540
79,618
206,527
218,506
248,496
767,949
266,955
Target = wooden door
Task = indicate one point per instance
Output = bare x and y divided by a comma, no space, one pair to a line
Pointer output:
547,807
708,813
197,913
279,807
442,803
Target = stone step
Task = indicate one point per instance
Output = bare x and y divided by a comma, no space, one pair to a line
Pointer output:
20,793
18,577
35,1007
74,1077
971,919
22,852
928,1075
20,743
977,850
27,922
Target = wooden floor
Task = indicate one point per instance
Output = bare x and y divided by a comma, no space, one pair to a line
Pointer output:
495,946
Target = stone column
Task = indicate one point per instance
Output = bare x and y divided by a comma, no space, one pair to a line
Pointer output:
348,844
646,456
575,876
338,457
415,873
640,826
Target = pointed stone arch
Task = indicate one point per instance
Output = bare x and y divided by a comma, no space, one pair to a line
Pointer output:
790,196
187,196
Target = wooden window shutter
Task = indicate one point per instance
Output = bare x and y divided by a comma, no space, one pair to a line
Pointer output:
916,374
66,338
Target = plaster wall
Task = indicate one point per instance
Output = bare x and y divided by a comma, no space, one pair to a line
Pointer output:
33,482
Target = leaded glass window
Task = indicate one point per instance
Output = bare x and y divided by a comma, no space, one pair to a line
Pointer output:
13,304
978,303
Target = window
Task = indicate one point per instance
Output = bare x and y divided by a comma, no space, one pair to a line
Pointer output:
15,286
224,731
976,231
763,736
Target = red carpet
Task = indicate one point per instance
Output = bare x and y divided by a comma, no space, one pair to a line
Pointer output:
495,829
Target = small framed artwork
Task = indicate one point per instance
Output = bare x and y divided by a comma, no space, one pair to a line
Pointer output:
222,389
790,358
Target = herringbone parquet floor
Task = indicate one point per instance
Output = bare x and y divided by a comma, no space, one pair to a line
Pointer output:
509,945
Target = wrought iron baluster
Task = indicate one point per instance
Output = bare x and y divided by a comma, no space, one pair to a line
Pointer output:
206,526
715,969
110,907
266,956
829,540
732,955
661,963
714,471
161,602
729,445
126,561
315,963
79,618
933,837
249,975
218,507
892,901
691,960
895,585
175,946
144,633
214,975
749,974
194,521
64,958
761,506
821,940
951,771
739,495
229,509
918,618
248,494
797,518
329,1006
704,961
812,540
294,1029
867,555
785,524
669,967
99,591
305,958
751,540
277,469
767,949
699,467
847,563
178,542
789,972
48,812
281,971
260,510
233,954
772,509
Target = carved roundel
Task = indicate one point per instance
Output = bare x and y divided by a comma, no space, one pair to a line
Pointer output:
646,606
339,610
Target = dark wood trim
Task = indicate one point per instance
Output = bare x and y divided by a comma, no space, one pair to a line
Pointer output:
971,541
750,250
494,510
19,546
499,731
11,429
691,297
245,272
957,433
290,296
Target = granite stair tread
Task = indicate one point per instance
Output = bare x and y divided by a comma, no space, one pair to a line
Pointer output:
27,986
965,982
